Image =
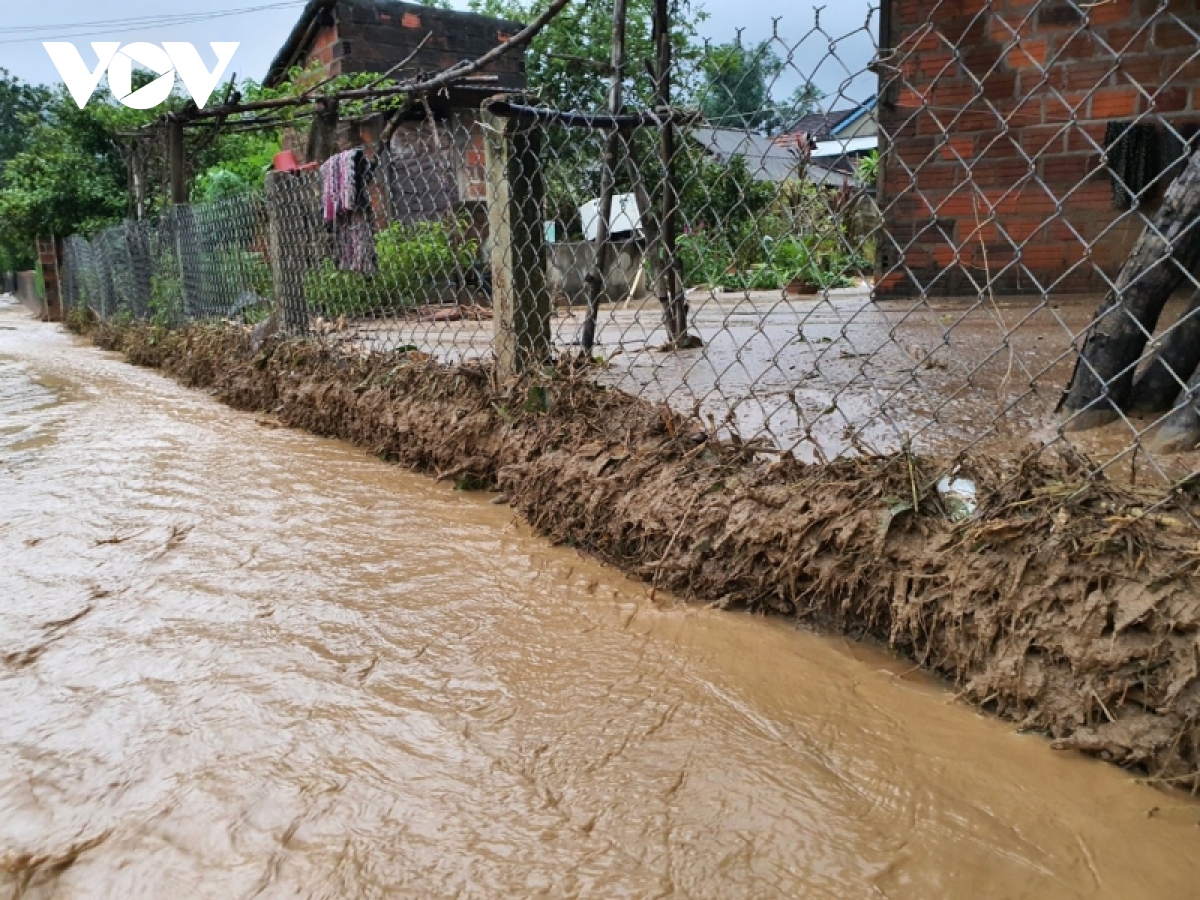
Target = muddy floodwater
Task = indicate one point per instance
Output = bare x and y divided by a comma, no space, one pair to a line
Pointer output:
238,660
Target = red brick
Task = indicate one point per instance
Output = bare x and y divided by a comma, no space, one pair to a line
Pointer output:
999,86
1020,228
1040,139
1086,74
983,123
1059,15
1096,196
1132,38
1041,256
964,204
1143,70
1028,54
1002,29
952,92
959,148
1085,137
939,176
1170,99
1032,200
1168,35
910,99
1065,106
936,62
917,257
1114,103
1068,169
1111,12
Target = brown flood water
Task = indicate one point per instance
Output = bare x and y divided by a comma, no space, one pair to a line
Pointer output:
241,661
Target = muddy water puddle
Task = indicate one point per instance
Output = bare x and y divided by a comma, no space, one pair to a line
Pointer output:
242,661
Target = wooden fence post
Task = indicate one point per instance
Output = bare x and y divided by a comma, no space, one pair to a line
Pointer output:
520,301
177,160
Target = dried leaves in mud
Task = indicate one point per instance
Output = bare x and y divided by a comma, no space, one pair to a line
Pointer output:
1066,603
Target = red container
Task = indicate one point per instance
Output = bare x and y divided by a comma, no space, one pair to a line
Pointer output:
285,161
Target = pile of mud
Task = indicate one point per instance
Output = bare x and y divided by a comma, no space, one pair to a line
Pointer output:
1067,604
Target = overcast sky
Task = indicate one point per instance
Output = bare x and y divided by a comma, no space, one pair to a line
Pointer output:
262,25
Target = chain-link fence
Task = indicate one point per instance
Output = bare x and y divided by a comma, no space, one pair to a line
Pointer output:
964,227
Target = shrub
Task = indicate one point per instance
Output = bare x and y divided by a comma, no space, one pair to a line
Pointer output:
412,262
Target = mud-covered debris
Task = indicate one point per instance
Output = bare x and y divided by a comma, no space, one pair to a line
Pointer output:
959,495
1060,603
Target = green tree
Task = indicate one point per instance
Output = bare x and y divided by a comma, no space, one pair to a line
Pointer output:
567,65
71,174
737,84
21,106
804,100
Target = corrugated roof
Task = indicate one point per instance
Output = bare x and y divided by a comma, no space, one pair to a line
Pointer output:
767,160
843,148
824,126
821,125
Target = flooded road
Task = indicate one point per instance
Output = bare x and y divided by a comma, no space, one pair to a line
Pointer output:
243,661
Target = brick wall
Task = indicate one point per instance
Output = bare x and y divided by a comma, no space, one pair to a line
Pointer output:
994,115
365,36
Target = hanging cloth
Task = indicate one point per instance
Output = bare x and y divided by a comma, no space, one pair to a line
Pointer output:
345,206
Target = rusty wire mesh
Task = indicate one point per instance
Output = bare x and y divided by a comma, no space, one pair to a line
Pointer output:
918,268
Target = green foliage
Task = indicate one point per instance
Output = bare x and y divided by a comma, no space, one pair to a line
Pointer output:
253,270
246,159
567,66
166,293
867,171
69,173
705,258
71,176
805,260
747,234
313,78
21,107
737,86
724,196
413,262
736,90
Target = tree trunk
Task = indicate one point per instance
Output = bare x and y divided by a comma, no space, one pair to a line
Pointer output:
1168,247
1181,431
1167,374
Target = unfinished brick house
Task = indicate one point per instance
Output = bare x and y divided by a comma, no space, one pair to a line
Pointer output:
436,155
1014,132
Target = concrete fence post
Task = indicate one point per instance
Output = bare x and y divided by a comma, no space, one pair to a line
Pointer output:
290,242
520,301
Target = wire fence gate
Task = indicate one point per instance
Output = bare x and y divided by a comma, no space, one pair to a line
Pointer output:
983,239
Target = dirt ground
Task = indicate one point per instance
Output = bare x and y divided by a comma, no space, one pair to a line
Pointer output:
827,376
1067,603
